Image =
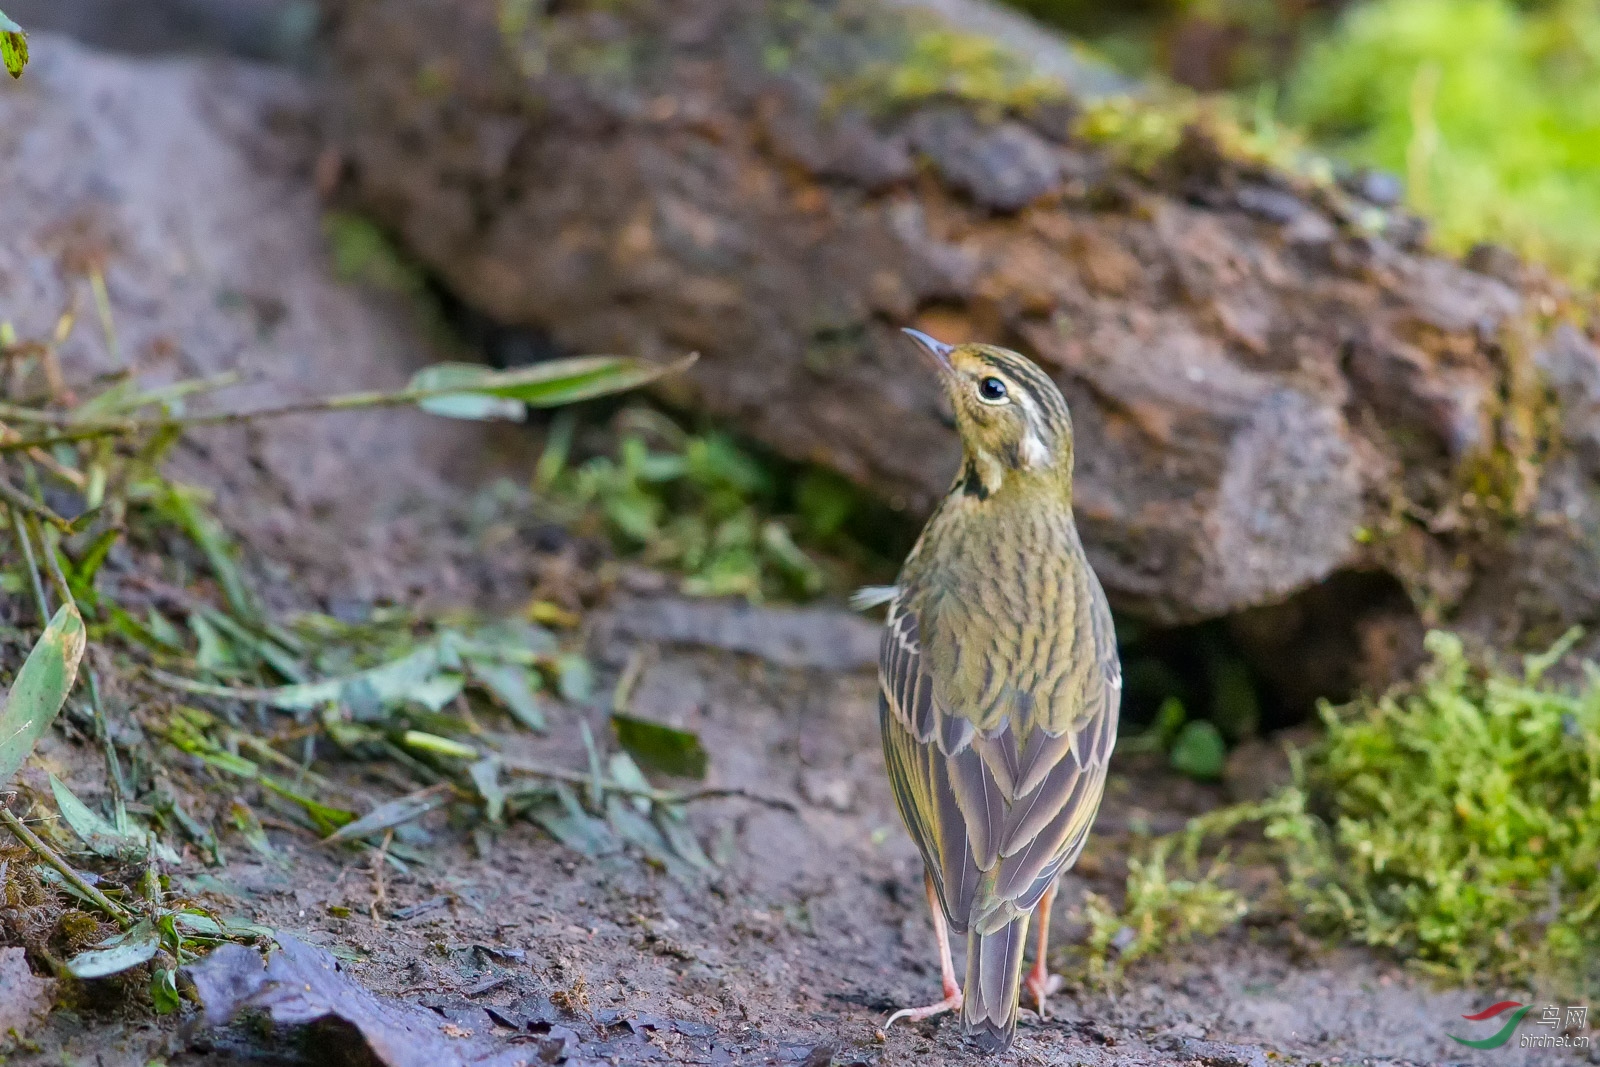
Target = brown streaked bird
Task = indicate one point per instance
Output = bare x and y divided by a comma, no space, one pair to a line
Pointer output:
999,686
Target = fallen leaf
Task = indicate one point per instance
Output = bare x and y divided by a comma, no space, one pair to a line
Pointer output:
662,748
301,983
121,953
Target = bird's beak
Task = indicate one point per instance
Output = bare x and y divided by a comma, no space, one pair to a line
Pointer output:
937,351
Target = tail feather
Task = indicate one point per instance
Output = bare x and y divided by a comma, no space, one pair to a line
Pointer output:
994,985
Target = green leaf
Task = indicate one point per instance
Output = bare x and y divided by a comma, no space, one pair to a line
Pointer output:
464,405
513,686
182,503
486,779
40,688
1199,751
663,748
164,991
552,383
389,815
13,46
568,823
120,953
574,678
439,746
92,828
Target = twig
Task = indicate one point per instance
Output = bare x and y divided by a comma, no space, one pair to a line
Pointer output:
380,855
74,879
343,402
659,796
18,499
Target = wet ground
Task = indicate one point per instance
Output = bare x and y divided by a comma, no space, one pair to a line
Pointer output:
810,932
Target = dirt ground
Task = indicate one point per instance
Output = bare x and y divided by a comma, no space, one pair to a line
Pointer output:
814,926
812,931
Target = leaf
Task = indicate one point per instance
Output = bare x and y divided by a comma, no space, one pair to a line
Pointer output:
121,953
638,830
439,746
1199,751
574,678
385,686
13,46
568,823
557,381
513,686
464,405
662,748
486,779
164,991
389,815
93,829
182,503
40,688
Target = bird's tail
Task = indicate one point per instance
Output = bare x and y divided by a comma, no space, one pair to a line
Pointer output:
994,985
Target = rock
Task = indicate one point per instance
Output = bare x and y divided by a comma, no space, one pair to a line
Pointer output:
821,638
190,182
24,999
1259,386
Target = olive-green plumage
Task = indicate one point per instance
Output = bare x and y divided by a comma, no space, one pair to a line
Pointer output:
1000,682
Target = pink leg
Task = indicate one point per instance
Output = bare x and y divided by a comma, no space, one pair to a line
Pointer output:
1040,982
947,970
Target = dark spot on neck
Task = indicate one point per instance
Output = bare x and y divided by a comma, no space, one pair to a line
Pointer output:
971,484
1012,456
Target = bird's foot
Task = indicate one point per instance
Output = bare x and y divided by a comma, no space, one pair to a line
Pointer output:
952,1002
1040,983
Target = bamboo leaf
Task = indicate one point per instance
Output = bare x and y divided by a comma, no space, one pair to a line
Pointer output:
40,688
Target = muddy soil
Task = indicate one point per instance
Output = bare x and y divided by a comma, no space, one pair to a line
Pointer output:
809,934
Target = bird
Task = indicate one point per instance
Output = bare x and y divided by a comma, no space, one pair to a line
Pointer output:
999,686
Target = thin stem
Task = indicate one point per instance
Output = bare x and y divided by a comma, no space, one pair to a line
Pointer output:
20,528
344,402
48,546
74,879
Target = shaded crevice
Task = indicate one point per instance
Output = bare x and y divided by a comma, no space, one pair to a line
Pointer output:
1266,668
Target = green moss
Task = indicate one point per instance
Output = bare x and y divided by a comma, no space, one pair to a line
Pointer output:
943,63
1458,823
1489,108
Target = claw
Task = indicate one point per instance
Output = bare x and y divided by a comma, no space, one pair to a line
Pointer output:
951,1002
1041,984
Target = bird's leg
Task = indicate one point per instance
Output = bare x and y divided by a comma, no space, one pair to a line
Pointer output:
947,969
1040,982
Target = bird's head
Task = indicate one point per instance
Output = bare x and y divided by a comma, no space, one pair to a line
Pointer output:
1012,418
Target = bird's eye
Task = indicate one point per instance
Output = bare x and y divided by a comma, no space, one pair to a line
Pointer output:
992,390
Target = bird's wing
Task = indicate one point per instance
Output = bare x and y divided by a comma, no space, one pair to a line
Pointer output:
998,805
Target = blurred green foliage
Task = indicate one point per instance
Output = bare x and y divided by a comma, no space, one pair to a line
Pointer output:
1489,108
700,505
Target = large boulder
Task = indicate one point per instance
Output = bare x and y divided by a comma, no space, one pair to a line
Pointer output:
1272,380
